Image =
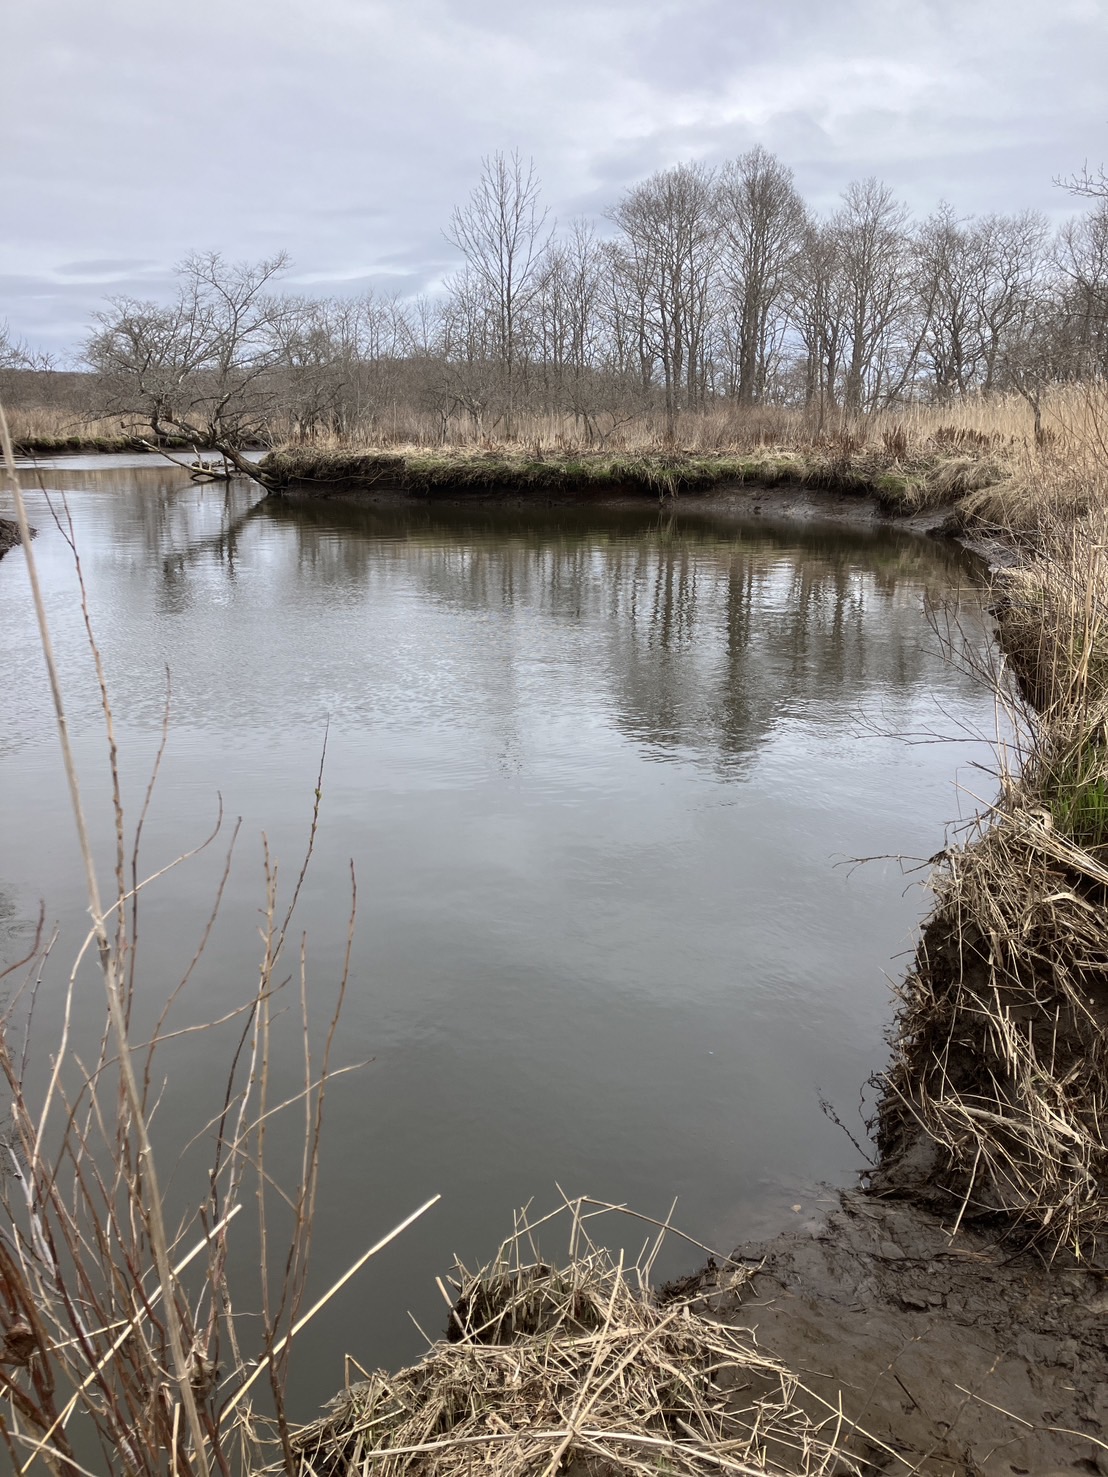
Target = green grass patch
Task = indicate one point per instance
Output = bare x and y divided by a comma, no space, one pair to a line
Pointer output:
1075,790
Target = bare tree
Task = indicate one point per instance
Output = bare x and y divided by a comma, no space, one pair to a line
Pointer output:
818,311
947,268
320,359
18,354
502,234
202,368
667,265
1089,182
470,349
872,259
1013,266
713,284
1081,260
761,221
20,366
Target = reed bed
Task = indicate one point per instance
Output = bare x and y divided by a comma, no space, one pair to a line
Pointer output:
46,428
970,424
577,1366
1001,1047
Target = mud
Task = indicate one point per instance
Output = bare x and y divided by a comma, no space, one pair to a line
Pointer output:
956,1356
9,536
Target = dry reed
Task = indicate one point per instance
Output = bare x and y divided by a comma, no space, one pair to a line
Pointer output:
1001,1047
63,428
577,1366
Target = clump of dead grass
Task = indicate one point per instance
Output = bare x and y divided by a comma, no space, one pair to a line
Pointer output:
577,1366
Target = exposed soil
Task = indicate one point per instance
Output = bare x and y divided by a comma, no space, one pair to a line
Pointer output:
9,535
957,1357
748,499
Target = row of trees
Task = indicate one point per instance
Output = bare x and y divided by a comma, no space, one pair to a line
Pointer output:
711,285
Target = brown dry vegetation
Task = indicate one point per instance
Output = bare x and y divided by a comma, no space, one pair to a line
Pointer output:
997,1097
996,1102
47,429
579,1368
979,458
978,454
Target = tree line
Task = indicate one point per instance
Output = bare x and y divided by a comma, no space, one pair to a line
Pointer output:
708,286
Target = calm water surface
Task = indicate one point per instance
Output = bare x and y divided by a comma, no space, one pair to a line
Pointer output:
598,773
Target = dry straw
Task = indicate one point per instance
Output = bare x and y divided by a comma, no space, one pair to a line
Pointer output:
1001,1047
577,1366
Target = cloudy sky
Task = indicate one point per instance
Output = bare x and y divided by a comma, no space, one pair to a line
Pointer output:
345,130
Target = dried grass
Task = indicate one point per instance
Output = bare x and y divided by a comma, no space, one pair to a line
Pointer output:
64,428
1001,1047
577,1366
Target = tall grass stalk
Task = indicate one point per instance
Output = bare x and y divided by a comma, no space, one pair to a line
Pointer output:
119,1318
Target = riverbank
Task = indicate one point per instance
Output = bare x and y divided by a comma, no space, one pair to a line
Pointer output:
866,1342
896,483
989,1132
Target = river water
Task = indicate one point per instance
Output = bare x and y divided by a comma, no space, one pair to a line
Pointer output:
601,775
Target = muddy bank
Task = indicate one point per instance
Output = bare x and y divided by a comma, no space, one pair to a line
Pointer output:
956,1356
9,535
869,1341
754,499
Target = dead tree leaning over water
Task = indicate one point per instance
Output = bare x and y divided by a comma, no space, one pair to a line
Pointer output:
202,370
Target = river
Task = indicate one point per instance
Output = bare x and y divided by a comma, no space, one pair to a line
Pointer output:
601,774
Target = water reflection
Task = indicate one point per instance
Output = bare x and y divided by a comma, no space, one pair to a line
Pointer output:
700,634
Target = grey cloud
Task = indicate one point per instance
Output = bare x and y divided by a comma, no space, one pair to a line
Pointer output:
104,267
347,131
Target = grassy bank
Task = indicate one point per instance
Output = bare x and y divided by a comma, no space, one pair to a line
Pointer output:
899,483
55,430
61,430
978,459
